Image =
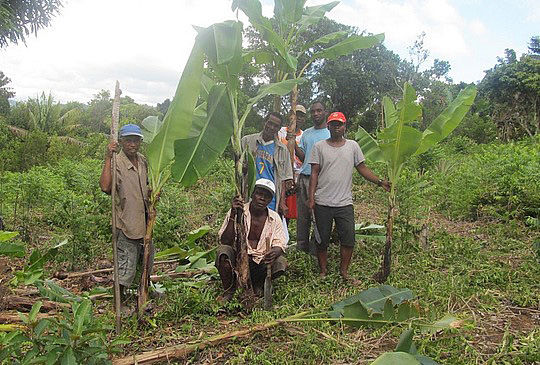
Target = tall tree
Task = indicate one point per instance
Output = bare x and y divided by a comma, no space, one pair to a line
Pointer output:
20,18
5,94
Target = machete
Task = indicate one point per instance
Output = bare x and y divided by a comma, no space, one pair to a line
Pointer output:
268,280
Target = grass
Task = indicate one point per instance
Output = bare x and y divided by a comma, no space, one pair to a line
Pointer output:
489,277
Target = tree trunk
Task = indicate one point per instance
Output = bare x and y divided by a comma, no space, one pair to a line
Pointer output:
384,271
145,274
242,261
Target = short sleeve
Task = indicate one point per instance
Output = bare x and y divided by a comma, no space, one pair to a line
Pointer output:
315,155
358,154
278,235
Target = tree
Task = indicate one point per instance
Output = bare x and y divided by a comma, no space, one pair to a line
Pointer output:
534,46
512,88
20,18
163,107
5,94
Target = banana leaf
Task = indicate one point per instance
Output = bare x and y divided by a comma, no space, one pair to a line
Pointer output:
288,11
313,14
151,126
448,120
374,299
393,358
369,146
178,120
349,45
195,156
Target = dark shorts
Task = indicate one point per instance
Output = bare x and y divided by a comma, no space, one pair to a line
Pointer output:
344,218
257,271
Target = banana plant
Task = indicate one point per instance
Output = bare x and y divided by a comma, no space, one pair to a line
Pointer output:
399,141
283,35
222,45
199,123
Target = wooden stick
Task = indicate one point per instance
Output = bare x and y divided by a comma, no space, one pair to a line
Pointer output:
180,351
14,317
70,275
24,304
114,136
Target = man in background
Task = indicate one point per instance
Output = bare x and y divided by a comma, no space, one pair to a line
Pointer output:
310,136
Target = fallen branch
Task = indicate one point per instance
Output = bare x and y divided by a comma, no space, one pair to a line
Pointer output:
70,275
14,317
182,274
181,351
24,304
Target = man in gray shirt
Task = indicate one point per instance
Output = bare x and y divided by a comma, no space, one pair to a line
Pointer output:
330,190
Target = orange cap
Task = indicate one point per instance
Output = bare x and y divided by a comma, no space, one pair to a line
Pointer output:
338,116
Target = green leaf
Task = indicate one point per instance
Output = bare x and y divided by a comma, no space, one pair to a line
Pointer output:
369,146
197,233
150,128
448,321
252,174
82,313
394,358
259,57
448,120
288,11
170,252
349,45
390,112
325,39
178,120
357,311
6,236
68,357
405,343
374,299
195,156
11,249
34,311
277,88
313,14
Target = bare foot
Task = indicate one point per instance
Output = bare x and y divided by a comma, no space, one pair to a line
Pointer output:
322,274
350,280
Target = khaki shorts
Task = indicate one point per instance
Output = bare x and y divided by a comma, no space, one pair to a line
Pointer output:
130,255
257,271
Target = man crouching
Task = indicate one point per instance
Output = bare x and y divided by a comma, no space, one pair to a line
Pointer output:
261,223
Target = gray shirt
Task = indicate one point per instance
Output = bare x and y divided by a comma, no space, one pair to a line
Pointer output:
335,174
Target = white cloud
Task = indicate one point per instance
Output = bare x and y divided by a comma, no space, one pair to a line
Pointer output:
477,27
92,43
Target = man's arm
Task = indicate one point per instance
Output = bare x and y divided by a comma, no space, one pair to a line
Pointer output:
370,176
299,152
105,180
313,181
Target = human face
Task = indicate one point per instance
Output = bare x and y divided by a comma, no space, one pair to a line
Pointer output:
318,114
300,119
130,145
336,128
261,197
271,127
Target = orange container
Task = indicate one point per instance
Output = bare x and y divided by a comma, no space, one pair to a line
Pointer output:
291,204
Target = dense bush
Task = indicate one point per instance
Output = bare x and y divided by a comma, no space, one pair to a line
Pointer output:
497,180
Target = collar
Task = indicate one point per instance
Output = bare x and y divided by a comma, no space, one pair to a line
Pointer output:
260,140
126,161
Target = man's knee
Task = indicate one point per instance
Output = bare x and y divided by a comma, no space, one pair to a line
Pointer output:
279,266
225,255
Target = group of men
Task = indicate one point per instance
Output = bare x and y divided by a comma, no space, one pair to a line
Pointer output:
316,187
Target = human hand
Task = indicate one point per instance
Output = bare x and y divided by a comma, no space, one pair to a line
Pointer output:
272,255
283,208
311,203
386,185
237,203
112,147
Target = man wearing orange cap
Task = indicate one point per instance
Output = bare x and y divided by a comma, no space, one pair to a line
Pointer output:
330,190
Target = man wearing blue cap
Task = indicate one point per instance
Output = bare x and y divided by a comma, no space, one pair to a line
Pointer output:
131,201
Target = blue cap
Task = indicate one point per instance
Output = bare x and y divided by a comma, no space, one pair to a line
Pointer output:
131,130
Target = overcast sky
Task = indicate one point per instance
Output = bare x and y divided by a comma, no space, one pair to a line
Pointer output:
145,44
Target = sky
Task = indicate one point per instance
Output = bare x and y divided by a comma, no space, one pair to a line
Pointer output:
145,44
